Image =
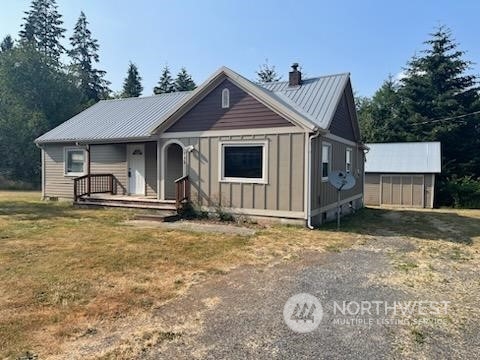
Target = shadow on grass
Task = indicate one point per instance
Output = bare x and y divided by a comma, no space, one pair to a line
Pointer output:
429,225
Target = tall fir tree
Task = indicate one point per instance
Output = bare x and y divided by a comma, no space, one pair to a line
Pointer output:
165,84
132,86
43,28
379,116
84,55
184,81
436,88
7,43
267,73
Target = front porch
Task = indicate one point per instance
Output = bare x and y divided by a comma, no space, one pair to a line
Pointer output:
142,178
125,201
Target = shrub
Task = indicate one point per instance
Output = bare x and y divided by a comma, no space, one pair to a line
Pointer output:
222,214
465,192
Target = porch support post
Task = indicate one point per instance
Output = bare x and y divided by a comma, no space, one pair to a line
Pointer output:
158,169
89,179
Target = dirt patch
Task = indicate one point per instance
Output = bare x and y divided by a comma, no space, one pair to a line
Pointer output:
194,226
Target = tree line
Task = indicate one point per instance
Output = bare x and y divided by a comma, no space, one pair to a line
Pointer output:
44,83
436,98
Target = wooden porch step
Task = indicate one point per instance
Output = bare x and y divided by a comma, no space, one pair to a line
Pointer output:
128,204
159,218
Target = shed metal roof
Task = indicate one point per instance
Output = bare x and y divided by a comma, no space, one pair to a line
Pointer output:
406,157
315,100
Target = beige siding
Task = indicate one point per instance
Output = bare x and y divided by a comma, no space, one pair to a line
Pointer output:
323,193
284,190
56,183
372,189
109,159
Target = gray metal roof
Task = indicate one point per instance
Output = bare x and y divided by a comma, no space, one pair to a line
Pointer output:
316,99
406,157
134,118
116,119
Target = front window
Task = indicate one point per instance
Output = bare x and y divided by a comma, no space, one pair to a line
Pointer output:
326,160
74,162
243,162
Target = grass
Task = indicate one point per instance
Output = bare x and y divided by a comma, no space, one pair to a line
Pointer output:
67,272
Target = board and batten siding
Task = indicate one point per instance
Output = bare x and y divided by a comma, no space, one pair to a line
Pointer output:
109,159
244,112
323,193
341,124
284,190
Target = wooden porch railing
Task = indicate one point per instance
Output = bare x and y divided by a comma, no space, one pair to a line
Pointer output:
182,191
93,184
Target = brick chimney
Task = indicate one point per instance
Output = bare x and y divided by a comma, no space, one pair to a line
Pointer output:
294,76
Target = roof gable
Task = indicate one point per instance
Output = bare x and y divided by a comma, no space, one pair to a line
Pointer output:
244,112
344,122
262,95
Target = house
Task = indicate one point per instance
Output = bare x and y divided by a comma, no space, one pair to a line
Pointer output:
402,174
262,151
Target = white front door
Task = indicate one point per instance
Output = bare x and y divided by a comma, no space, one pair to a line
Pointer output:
136,169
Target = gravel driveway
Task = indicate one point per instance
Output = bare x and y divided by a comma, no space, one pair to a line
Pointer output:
240,315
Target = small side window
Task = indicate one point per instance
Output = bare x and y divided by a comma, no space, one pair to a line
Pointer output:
74,162
225,98
348,160
326,160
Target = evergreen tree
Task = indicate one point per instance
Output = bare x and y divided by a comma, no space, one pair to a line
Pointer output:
7,43
132,86
43,28
267,73
379,116
184,81
165,84
84,54
435,89
35,96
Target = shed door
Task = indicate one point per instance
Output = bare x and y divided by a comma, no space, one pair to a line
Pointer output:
402,190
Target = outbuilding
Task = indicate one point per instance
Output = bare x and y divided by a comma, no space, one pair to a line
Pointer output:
402,174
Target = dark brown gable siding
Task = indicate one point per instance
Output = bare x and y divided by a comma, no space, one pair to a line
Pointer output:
342,124
245,112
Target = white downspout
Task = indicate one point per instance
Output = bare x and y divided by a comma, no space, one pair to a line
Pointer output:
309,180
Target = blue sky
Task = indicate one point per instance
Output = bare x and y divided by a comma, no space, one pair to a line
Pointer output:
370,39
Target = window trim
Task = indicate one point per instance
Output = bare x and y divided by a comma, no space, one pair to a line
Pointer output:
325,178
225,98
221,164
348,150
66,150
